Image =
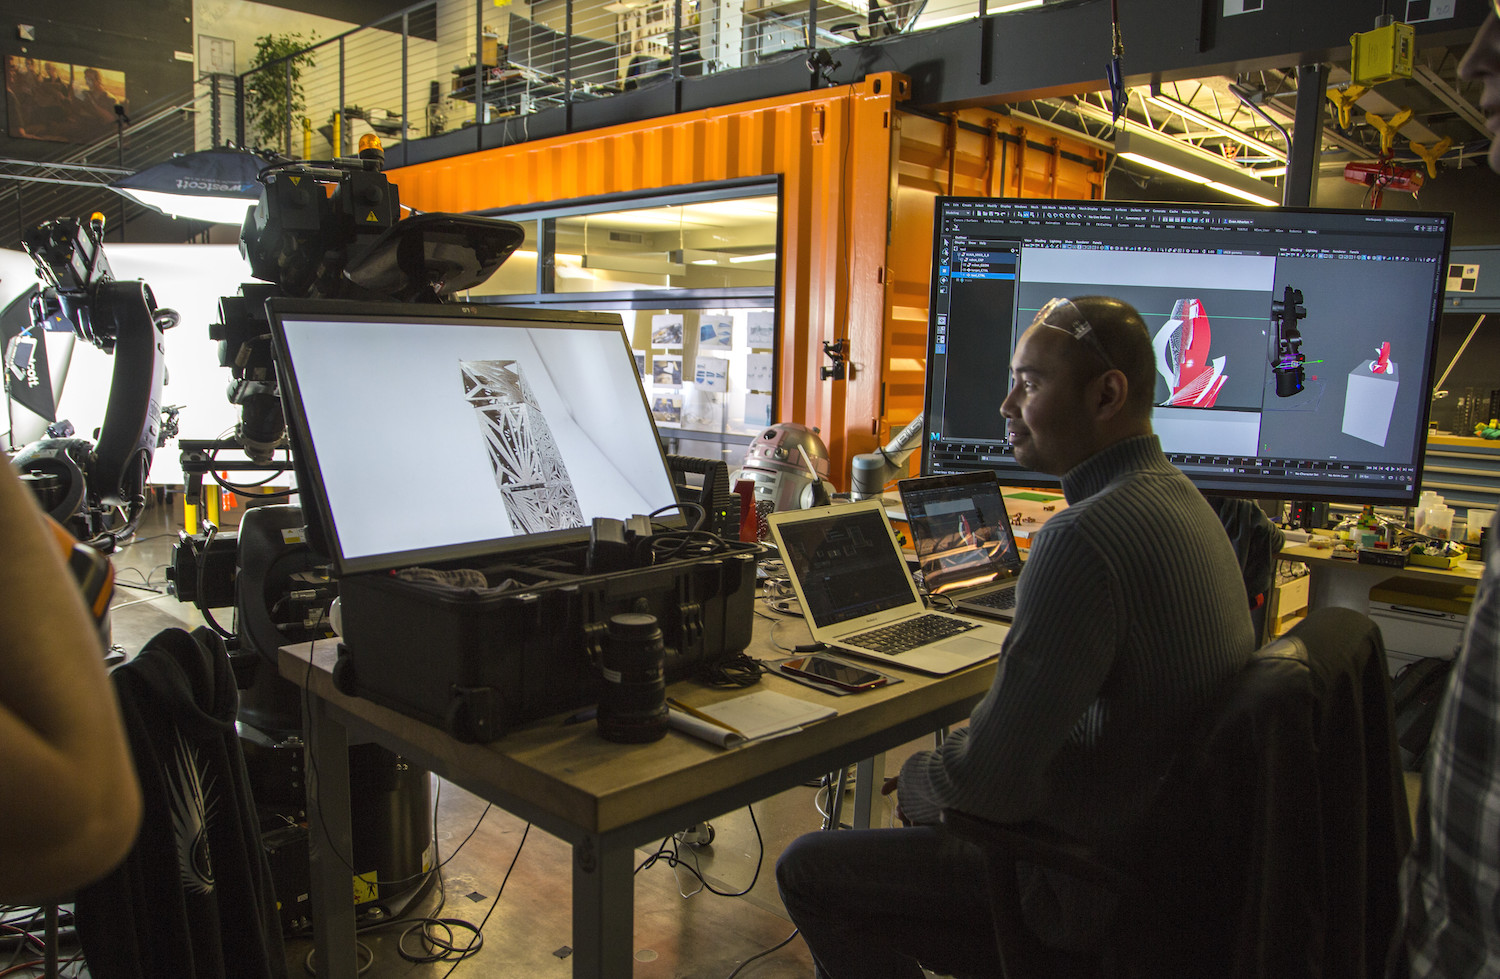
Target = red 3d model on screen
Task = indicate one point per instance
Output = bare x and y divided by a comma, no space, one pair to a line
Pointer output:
1193,381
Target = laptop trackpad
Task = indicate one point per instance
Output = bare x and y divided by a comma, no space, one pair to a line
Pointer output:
969,646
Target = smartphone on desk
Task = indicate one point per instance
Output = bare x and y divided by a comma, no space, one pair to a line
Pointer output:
845,676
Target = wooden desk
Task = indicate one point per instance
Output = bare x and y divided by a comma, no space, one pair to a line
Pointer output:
1336,581
603,798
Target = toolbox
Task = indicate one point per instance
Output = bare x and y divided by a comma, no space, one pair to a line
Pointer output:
478,662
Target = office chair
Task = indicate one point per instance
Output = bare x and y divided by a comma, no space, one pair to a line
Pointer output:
194,897
1273,848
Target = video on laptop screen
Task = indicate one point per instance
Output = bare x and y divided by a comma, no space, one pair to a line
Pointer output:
430,433
959,530
847,565
1294,346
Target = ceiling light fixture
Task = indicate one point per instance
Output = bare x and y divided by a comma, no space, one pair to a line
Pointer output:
1190,163
1217,125
990,10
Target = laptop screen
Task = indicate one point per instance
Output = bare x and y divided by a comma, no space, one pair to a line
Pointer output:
847,564
425,433
960,530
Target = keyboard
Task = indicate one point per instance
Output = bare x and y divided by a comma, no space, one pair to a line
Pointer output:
1002,599
921,630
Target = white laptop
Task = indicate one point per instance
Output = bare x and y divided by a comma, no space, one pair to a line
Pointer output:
858,595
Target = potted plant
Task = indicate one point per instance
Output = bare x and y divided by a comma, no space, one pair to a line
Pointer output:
274,95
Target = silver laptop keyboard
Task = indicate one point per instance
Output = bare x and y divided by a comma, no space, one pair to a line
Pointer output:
1001,598
910,633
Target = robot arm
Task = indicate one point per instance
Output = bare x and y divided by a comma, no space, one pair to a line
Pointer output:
872,470
89,483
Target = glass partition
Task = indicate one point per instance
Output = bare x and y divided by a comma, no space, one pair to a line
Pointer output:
693,276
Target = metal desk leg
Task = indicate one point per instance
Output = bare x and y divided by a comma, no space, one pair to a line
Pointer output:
869,776
603,910
330,845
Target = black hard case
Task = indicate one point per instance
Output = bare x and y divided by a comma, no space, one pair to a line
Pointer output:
478,663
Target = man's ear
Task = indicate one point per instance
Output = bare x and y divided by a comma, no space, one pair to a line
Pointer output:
1112,390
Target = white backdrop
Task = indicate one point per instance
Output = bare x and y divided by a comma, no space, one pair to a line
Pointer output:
187,278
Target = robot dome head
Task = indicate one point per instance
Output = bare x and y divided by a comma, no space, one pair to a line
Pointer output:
777,464
778,446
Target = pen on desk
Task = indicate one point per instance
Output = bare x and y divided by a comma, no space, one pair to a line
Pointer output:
695,712
583,715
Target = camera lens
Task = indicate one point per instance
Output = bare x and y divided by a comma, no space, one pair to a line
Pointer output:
633,707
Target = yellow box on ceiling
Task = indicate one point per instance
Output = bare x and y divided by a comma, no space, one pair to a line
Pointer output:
1382,54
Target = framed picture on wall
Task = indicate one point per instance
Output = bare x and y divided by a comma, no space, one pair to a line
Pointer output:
61,102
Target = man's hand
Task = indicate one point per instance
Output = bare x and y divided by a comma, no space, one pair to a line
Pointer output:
890,786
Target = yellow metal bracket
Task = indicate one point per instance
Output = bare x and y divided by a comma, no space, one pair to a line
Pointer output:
1388,128
1343,100
1430,156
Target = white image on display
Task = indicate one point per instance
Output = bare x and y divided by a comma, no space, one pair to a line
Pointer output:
1370,399
529,470
1183,357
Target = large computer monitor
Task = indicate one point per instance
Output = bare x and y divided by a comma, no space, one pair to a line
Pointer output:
1294,347
429,433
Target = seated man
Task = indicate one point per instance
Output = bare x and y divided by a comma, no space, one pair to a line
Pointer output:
1130,613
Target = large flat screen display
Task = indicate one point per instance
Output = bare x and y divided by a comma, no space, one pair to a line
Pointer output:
1294,347
430,433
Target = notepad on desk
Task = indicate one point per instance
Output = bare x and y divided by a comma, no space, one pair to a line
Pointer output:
748,717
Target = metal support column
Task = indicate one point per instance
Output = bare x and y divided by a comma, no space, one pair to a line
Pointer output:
1307,136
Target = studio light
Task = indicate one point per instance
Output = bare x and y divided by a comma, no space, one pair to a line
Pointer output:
1188,163
210,185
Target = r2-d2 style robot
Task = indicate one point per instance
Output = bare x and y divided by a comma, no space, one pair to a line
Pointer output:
788,466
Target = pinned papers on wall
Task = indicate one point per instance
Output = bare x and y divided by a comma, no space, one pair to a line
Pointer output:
712,374
760,328
758,372
715,333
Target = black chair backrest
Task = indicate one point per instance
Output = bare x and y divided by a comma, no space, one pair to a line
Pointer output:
1276,842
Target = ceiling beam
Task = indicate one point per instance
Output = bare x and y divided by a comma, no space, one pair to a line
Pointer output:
1449,96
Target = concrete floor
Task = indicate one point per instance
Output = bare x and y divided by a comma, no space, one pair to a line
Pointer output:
681,928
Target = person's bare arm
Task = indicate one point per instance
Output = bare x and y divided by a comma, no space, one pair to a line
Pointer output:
69,801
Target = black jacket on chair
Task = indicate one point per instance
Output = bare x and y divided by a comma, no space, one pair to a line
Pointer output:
193,899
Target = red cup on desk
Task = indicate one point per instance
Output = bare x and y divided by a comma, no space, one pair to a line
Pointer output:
749,521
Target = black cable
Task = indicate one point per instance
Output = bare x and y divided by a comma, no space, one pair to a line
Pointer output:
142,540
670,851
479,932
685,505
201,558
736,670
246,489
760,955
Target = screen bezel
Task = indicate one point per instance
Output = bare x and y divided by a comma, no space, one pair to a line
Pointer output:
1241,485
321,526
